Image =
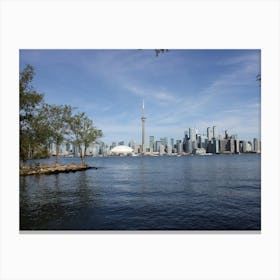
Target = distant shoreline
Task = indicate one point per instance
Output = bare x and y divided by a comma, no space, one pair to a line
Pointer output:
48,169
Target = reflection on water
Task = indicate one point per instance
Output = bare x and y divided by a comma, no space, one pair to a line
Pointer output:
156,193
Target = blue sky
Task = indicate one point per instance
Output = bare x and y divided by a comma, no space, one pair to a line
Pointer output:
180,88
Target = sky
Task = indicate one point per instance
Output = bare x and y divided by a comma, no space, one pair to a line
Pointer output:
181,89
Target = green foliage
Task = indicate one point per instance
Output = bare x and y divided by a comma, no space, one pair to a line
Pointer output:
30,103
54,121
42,124
84,133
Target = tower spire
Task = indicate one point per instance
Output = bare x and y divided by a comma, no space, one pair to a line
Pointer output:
143,118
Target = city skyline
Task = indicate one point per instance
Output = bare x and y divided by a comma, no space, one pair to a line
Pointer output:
193,142
181,88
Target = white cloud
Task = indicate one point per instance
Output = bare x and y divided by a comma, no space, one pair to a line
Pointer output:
158,95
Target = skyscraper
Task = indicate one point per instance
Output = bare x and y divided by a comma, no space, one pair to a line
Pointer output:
192,134
152,141
209,133
214,132
143,118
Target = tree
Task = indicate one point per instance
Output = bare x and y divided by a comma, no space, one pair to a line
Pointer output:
31,140
55,124
84,133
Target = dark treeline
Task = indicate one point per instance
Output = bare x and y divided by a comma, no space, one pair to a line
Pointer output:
41,124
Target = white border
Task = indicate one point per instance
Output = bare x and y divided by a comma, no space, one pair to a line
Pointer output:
111,24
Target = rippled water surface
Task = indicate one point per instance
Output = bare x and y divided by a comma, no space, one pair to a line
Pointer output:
219,192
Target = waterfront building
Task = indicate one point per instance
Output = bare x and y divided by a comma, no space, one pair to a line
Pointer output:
213,146
186,135
169,150
172,144
216,146
206,143
95,150
194,145
191,143
152,142
223,145
52,149
226,134
192,135
179,146
121,150
256,145
236,146
199,151
164,141
249,146
244,146
158,144
161,150
209,133
214,132
231,145
188,147
68,147
199,141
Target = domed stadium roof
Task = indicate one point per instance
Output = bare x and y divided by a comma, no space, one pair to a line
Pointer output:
121,150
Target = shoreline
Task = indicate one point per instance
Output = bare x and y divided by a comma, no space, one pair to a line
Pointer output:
52,169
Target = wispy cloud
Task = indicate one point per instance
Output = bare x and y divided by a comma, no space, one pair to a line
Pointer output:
157,94
181,89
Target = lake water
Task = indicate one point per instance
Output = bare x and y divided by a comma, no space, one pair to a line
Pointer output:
218,192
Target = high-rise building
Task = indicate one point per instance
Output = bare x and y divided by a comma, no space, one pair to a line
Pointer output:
188,146
236,146
172,144
152,142
209,133
161,150
169,150
192,134
199,141
143,118
214,132
223,145
179,146
164,141
158,144
231,146
256,145
244,145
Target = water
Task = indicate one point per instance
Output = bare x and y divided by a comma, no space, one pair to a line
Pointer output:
219,192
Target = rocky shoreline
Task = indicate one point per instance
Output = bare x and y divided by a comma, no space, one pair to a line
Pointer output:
24,171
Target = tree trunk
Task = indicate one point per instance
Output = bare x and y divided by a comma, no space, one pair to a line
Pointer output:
81,153
84,157
24,163
56,154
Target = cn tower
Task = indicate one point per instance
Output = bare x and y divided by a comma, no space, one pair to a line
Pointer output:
143,118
